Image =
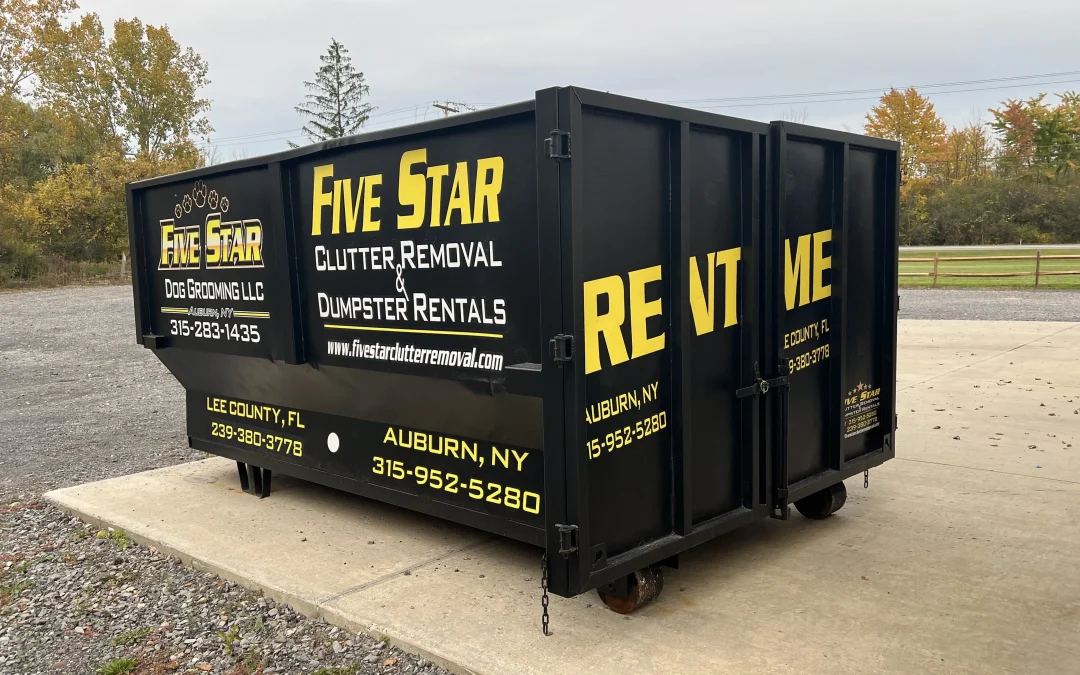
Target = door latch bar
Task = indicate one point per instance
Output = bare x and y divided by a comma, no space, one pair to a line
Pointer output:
761,386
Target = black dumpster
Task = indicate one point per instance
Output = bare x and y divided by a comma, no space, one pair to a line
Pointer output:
607,327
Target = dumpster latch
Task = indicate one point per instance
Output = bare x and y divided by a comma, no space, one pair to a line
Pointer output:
558,144
760,387
568,542
563,347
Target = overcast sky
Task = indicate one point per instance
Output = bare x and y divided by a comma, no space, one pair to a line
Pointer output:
484,52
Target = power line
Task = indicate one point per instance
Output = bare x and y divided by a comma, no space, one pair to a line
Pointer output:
213,141
733,101
1029,160
225,140
867,98
411,117
879,89
285,135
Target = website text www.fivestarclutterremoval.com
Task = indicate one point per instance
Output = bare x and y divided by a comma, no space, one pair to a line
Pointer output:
399,353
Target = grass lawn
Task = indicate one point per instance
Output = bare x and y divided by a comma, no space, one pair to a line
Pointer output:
991,266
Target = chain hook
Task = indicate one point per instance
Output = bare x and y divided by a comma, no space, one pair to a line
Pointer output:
866,479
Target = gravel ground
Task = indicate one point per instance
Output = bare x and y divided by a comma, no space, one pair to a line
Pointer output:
989,305
75,600
80,401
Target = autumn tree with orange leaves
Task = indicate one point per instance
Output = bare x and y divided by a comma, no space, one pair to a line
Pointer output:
84,109
965,154
1013,180
908,117
1038,138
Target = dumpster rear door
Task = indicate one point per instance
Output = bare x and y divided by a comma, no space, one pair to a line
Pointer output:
832,292
660,225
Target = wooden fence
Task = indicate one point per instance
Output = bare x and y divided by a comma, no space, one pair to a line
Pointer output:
1037,272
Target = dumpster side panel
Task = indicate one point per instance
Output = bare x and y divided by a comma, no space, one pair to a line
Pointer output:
419,255
407,367
664,231
625,223
715,310
865,335
447,470
208,249
834,219
806,288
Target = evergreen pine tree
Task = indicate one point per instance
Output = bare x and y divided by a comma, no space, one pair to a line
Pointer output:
336,106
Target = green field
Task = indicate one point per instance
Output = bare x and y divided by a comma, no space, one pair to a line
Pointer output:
990,266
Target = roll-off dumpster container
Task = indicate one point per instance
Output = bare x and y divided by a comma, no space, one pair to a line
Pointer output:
610,328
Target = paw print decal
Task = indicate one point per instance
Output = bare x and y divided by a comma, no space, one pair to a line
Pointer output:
200,196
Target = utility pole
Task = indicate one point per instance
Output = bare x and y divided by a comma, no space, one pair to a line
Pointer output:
447,108
452,107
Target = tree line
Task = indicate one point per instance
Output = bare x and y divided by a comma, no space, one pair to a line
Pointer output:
84,110
1014,180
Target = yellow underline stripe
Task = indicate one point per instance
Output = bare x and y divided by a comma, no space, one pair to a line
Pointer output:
414,330
253,315
174,310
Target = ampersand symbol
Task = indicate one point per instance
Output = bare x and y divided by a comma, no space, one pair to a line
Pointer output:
400,283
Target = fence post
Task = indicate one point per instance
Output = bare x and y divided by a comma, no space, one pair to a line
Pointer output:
1038,261
935,269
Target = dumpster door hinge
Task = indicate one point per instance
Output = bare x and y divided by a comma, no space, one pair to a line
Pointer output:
568,539
558,144
760,387
563,348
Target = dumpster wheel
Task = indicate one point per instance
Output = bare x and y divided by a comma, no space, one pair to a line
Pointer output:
635,591
823,503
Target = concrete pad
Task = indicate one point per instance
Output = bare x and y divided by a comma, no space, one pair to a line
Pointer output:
1013,407
198,513
960,558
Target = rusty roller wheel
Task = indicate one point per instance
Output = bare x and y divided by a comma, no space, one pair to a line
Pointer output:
823,504
637,590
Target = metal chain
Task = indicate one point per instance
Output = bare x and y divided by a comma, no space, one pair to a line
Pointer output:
544,595
866,479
